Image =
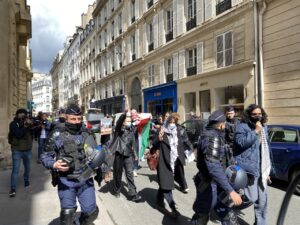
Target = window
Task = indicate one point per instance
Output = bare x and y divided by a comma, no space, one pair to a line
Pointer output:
105,38
150,3
224,50
132,11
191,14
192,61
169,70
112,30
151,77
150,37
105,13
119,53
169,35
113,61
132,43
120,23
278,135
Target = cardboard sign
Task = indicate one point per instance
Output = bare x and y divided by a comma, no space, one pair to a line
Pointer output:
106,126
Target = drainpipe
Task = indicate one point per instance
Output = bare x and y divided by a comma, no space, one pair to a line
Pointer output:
261,61
255,63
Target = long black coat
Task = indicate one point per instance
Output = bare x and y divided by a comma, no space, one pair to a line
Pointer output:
164,171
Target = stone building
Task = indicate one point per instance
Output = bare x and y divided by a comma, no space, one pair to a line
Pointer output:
15,66
41,93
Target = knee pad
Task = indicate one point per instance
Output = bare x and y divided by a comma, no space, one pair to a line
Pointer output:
67,216
88,218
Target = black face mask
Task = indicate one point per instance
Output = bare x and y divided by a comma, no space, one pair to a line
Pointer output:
62,119
256,119
73,127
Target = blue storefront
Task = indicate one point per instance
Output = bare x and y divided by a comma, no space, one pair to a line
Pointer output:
161,98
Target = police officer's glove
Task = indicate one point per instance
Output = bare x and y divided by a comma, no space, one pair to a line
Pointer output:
98,178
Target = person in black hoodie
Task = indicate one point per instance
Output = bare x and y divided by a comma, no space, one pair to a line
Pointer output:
123,147
20,138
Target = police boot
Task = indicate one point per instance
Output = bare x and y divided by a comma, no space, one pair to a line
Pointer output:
89,218
230,219
200,219
67,216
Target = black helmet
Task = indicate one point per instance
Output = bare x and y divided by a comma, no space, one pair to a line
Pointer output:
237,177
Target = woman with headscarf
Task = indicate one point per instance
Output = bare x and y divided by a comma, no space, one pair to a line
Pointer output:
168,142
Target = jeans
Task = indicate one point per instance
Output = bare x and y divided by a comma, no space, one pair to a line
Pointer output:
41,143
16,160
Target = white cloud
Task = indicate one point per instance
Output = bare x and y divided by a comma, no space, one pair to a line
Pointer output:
52,21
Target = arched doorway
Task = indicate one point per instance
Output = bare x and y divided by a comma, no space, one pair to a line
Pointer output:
136,95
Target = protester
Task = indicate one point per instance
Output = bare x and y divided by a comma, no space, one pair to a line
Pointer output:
20,138
230,127
123,147
253,154
66,151
211,180
43,129
135,121
179,175
170,145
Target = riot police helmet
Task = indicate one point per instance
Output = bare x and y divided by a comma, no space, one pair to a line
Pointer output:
237,177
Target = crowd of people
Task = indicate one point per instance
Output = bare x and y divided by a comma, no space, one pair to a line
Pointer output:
70,152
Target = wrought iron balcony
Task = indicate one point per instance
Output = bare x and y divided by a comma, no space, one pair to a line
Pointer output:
191,71
169,36
223,6
191,24
170,77
150,47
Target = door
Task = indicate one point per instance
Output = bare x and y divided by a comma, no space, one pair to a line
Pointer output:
285,147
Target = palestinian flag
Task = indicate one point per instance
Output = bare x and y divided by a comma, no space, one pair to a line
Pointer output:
143,127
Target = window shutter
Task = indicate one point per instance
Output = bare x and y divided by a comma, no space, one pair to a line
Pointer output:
200,11
180,17
175,66
161,29
145,40
137,42
235,2
181,64
228,49
155,31
175,18
129,52
137,9
162,72
220,59
199,57
129,16
209,9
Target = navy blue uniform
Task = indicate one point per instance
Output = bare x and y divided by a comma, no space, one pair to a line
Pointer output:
60,144
211,180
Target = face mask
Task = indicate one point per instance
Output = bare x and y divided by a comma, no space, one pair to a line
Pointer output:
62,119
172,126
128,125
256,118
73,127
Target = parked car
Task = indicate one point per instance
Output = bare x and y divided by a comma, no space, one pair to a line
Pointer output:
194,128
285,146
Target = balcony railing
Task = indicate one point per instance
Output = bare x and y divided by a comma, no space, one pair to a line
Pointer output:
133,57
150,47
132,19
170,77
150,3
191,71
223,6
169,36
191,24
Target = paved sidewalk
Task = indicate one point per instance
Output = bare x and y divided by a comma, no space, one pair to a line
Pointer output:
37,204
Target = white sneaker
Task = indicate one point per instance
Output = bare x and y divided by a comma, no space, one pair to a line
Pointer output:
135,173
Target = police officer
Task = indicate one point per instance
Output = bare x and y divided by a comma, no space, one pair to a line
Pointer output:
211,180
60,121
65,152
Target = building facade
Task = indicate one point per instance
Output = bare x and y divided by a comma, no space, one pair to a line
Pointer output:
281,60
15,66
41,88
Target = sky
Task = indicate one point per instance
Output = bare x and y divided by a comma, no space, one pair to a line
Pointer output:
52,22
